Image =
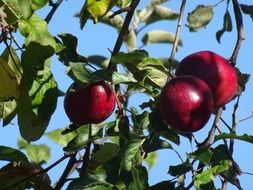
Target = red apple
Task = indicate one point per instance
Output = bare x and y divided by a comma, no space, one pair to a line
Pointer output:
186,103
92,104
215,70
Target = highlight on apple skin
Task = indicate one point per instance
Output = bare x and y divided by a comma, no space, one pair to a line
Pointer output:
91,104
186,103
215,70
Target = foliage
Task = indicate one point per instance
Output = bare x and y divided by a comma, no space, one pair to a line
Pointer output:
114,152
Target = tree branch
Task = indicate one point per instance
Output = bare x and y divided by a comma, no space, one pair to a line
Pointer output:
124,30
66,172
240,31
53,10
209,140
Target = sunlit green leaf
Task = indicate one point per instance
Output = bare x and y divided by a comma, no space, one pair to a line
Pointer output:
38,153
116,22
59,138
132,57
35,30
200,17
159,36
9,85
122,78
11,154
152,159
8,111
227,26
98,60
131,40
208,175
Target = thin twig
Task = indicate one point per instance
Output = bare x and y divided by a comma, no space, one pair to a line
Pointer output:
244,119
38,173
66,172
240,31
176,40
209,140
123,31
53,10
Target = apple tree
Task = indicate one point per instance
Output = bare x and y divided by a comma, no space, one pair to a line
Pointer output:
108,143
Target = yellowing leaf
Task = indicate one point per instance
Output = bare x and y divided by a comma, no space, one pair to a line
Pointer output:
9,88
98,8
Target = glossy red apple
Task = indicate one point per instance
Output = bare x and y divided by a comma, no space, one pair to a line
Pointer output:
92,104
215,70
186,103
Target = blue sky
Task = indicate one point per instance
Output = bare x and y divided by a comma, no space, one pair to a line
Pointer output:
96,39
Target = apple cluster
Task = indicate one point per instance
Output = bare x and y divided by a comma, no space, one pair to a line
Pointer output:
204,81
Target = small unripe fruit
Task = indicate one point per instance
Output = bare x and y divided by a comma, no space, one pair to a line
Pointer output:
215,70
91,104
186,103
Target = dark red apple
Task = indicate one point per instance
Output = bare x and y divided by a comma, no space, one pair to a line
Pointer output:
215,70
91,104
186,103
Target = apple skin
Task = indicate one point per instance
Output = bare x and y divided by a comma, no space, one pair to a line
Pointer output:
186,103
91,104
215,70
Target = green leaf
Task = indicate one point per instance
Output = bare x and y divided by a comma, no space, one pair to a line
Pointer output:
69,52
38,154
90,182
8,111
11,154
82,138
220,153
164,185
125,78
233,135
95,10
200,17
35,30
123,3
227,26
139,178
132,57
208,175
151,159
161,13
247,9
131,40
105,153
159,36
16,9
98,60
79,73
37,105
180,169
203,155
128,153
157,144
9,84
57,136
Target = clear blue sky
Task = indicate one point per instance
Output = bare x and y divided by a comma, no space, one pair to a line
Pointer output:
96,39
